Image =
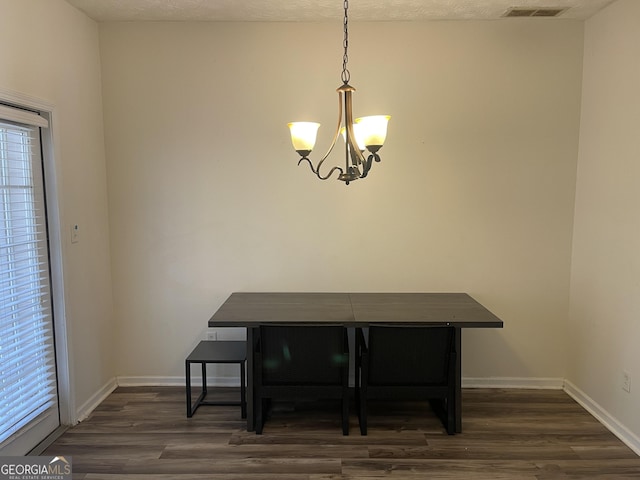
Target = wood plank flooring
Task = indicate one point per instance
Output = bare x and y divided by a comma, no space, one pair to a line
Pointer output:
143,434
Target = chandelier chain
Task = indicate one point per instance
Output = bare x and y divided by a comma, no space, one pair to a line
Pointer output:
345,58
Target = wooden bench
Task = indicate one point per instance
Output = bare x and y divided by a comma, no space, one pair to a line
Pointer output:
210,351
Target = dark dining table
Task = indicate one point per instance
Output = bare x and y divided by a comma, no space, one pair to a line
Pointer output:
357,310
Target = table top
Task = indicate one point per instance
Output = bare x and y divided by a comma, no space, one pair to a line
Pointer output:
251,309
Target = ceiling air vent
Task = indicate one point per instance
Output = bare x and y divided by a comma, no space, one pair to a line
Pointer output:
534,12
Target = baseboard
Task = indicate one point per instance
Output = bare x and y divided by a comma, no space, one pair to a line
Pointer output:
176,381
96,399
604,417
467,382
513,382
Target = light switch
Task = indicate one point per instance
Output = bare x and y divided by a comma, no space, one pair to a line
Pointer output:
75,233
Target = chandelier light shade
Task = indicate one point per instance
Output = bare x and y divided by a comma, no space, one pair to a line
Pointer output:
365,133
374,130
303,135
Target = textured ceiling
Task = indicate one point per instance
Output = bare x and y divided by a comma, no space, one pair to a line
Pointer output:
319,10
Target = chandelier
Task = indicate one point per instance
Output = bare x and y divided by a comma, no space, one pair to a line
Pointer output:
364,133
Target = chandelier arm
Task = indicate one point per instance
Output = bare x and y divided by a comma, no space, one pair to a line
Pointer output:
316,171
337,133
357,158
339,169
366,166
306,159
333,144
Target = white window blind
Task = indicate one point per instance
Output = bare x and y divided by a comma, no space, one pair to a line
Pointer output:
28,388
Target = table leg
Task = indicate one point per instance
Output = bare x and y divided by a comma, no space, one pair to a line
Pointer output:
458,405
251,339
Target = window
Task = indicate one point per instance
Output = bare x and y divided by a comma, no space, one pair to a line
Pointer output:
28,387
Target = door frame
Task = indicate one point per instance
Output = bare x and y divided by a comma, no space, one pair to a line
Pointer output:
53,186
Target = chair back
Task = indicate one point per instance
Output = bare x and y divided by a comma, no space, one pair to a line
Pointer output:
304,355
407,355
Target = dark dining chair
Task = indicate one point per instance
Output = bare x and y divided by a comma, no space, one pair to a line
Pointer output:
301,362
407,363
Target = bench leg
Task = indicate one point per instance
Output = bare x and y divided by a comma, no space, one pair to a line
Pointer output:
204,379
188,377
191,409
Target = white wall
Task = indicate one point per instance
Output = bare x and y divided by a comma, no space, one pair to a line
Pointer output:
49,50
605,283
475,192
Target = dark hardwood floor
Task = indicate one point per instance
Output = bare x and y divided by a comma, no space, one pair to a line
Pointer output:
143,434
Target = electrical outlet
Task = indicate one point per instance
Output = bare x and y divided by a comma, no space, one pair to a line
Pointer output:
626,381
212,335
